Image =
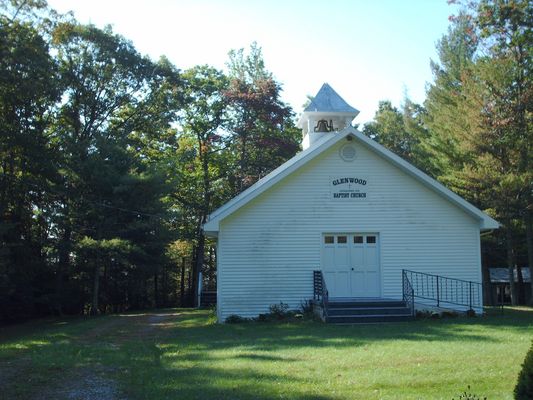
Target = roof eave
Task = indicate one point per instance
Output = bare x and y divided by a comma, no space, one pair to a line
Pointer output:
275,176
485,221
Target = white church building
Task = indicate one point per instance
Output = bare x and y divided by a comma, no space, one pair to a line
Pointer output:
349,224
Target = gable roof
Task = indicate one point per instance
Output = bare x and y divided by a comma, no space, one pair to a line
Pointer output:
321,145
328,100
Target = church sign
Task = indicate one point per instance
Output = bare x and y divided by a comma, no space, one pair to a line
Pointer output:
348,188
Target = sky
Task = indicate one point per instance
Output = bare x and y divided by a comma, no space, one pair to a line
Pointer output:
367,50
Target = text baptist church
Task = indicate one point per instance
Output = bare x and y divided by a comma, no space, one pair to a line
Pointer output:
349,224
344,188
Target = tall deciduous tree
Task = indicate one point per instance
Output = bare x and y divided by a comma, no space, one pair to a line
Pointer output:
401,131
106,131
200,161
263,132
28,91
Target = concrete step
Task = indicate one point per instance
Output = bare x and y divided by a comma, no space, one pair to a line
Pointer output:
365,304
367,319
368,311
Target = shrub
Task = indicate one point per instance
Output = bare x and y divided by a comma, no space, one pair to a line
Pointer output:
524,386
280,311
427,314
212,317
449,314
470,313
468,395
235,319
263,317
306,307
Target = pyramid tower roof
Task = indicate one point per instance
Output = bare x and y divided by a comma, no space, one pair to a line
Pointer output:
328,100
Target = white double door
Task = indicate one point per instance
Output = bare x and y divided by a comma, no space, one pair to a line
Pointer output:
350,263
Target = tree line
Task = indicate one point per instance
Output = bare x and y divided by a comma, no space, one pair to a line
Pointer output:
473,132
110,162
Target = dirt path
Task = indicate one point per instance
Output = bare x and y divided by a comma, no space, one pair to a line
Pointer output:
91,381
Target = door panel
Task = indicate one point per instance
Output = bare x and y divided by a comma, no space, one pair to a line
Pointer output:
358,255
351,265
358,282
342,284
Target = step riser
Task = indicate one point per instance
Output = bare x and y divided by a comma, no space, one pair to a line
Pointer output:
368,319
369,311
376,304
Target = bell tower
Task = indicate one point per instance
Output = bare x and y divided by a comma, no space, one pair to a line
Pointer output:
326,114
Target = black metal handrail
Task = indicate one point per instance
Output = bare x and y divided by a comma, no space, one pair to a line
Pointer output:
320,291
408,293
445,290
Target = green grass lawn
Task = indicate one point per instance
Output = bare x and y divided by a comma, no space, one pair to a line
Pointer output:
181,355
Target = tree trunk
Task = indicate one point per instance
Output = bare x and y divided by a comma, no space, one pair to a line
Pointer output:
182,283
105,290
198,266
242,164
189,280
520,286
529,245
156,289
205,207
510,263
96,287
485,275
96,283
62,266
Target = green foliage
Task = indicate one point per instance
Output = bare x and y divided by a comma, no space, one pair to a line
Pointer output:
307,308
86,139
28,91
236,319
212,317
401,131
279,311
468,395
524,386
263,134
110,163
479,118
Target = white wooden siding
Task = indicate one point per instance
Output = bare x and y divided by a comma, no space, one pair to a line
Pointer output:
268,249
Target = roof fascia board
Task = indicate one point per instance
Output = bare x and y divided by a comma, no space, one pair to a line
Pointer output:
270,180
281,172
488,222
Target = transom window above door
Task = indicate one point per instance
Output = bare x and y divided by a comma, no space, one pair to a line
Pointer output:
355,239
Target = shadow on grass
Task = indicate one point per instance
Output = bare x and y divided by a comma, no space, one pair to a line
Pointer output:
225,361
187,358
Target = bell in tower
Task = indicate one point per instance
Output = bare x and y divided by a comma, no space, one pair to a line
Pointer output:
323,126
326,114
